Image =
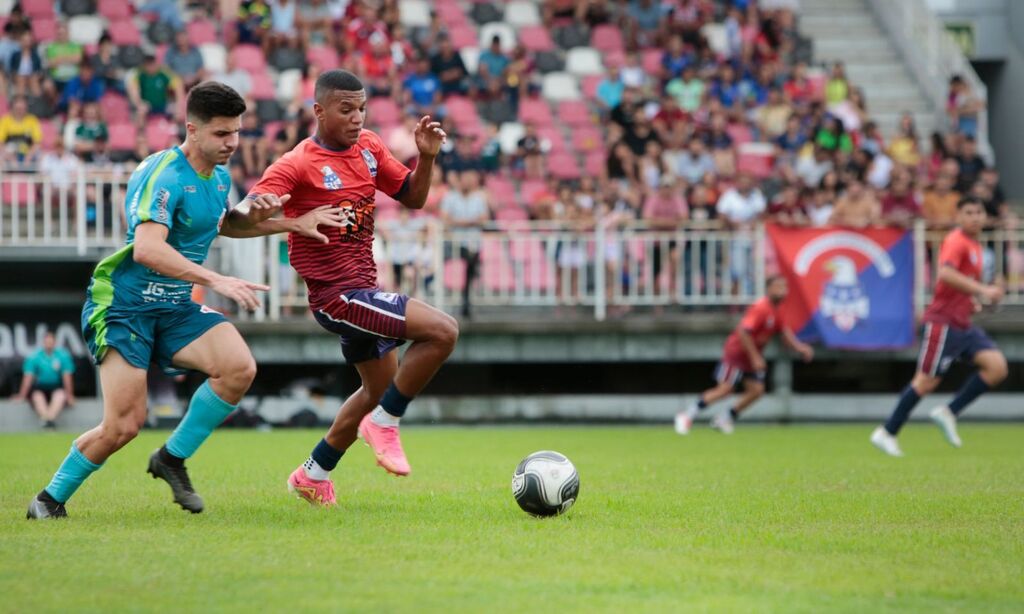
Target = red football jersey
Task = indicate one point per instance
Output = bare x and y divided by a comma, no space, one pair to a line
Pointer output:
949,305
761,320
315,175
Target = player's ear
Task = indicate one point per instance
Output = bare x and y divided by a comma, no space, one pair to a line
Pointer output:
190,131
318,111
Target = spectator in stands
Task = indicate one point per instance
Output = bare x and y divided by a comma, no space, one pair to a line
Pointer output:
773,116
832,136
85,87
644,22
91,130
250,145
740,207
962,107
108,66
423,91
305,93
150,89
798,88
237,78
46,381
405,237
610,90
633,74
519,79
820,207
378,71
460,157
872,141
282,32
688,89
530,153
852,112
253,21
316,23
362,27
971,164
401,140
185,60
20,134
787,209
26,67
490,152
792,140
671,123
59,166
621,165
813,164
495,105
465,210
492,62
571,253
402,52
164,11
726,89
10,40
665,210
63,57
939,205
900,205
857,206
675,59
650,166
837,88
639,133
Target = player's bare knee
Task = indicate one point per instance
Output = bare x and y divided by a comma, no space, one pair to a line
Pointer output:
995,371
446,334
756,389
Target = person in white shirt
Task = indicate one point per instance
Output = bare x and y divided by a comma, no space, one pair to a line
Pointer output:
741,207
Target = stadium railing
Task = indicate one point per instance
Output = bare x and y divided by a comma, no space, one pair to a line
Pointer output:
521,264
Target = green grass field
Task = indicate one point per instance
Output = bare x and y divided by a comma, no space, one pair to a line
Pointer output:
797,519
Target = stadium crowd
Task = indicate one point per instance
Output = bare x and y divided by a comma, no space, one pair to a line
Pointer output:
660,114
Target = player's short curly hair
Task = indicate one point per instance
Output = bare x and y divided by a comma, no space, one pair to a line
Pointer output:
211,99
336,80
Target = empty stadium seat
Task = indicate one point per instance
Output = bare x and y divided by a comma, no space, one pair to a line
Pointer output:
215,58
587,139
464,36
201,32
521,13
614,58
501,29
414,13
536,111
115,108
485,12
589,84
740,133
584,61
114,9
324,57
509,135
554,138
574,113
596,163
50,134
383,111
606,37
38,9
249,58
529,189
160,133
124,32
122,136
288,82
15,192
262,87
563,166
470,58
455,274
512,213
560,86
85,29
651,61
536,38
501,190
758,159
44,29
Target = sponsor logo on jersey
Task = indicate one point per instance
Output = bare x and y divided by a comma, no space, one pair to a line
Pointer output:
331,179
162,198
189,188
371,162
221,187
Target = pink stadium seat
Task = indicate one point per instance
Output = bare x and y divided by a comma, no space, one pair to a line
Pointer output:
536,111
385,215
651,61
36,9
160,51
607,38
160,133
201,31
324,57
596,163
574,113
44,30
587,139
563,166
740,133
262,86
122,136
513,213
115,108
14,193
249,58
270,129
614,58
524,247
383,111
498,275
492,249
817,83
554,135
529,188
455,274
464,36
501,191
124,32
50,134
114,9
536,38
537,275
589,85
758,159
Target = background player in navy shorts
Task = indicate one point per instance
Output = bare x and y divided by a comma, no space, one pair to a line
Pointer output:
949,335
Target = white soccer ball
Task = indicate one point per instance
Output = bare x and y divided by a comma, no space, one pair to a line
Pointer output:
545,484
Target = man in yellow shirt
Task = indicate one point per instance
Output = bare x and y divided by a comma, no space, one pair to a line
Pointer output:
20,133
939,204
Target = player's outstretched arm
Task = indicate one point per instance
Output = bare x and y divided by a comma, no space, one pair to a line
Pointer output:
429,137
307,224
804,350
963,283
152,250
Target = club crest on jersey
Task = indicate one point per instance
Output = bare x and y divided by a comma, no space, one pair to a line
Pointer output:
331,179
974,257
371,162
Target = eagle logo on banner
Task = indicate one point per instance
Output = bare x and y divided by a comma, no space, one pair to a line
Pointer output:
844,300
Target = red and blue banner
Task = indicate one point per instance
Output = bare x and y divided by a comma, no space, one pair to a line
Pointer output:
850,289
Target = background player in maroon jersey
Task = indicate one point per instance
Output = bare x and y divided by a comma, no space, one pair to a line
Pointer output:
743,360
343,164
949,335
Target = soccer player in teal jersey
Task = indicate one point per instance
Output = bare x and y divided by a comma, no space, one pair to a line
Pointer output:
139,310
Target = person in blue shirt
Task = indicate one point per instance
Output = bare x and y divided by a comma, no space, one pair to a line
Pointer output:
423,91
46,381
139,310
82,88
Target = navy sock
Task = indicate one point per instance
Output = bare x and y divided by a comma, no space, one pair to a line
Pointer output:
326,456
735,415
394,402
973,388
701,404
908,400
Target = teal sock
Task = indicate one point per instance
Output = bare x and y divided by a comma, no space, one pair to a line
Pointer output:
205,412
72,472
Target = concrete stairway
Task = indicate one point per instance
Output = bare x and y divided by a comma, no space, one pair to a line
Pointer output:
846,30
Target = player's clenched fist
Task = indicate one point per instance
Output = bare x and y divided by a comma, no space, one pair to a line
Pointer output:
238,290
429,136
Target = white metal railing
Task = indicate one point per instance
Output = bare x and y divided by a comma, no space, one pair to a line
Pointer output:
934,57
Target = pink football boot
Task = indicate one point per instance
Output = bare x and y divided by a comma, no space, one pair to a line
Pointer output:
316,492
384,442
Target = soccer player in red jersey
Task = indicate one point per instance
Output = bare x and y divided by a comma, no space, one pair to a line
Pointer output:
743,360
344,164
949,335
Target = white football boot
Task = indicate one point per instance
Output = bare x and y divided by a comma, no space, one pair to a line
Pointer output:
946,420
723,422
886,442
